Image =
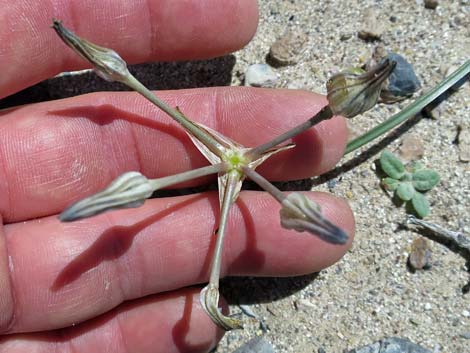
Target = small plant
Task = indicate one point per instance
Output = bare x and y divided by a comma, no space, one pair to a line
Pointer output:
349,94
410,183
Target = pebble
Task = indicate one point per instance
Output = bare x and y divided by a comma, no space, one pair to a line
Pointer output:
420,254
373,26
260,75
391,345
402,82
466,313
256,345
464,143
431,4
287,49
411,148
465,335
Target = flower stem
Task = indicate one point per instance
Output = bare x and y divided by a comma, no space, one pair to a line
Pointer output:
264,183
208,140
161,183
410,111
227,202
324,114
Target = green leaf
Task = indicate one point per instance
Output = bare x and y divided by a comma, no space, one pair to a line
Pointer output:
420,204
415,166
390,183
425,179
391,165
405,191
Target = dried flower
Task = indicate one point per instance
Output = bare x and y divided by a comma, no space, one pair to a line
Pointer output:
355,91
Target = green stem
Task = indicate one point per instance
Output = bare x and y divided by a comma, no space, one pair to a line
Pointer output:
409,111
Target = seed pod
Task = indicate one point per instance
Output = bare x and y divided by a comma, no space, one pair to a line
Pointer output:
106,62
300,213
129,190
355,91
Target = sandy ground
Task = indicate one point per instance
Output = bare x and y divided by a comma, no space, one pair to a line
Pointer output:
370,294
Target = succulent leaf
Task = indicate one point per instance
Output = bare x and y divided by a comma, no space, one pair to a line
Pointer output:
405,191
390,183
420,204
391,165
425,179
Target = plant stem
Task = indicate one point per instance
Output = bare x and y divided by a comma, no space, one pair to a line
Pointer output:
233,178
161,183
456,238
264,183
324,114
187,124
409,111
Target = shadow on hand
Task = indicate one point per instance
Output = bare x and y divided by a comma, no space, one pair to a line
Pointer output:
155,76
112,244
106,113
181,330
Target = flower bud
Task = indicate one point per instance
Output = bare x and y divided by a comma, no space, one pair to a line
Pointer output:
355,91
106,62
127,191
300,213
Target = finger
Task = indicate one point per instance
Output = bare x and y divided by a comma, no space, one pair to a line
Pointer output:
54,153
85,268
139,31
165,323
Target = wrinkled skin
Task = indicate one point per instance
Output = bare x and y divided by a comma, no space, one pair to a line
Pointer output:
120,282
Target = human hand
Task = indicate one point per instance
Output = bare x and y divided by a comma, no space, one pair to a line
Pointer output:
63,285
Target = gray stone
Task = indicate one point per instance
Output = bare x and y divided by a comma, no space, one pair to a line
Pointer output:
391,345
402,82
256,345
260,75
287,49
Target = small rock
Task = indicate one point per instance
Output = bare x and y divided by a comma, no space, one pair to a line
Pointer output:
287,49
431,4
466,313
260,75
420,254
391,345
373,26
411,148
256,345
465,335
464,143
297,84
402,82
